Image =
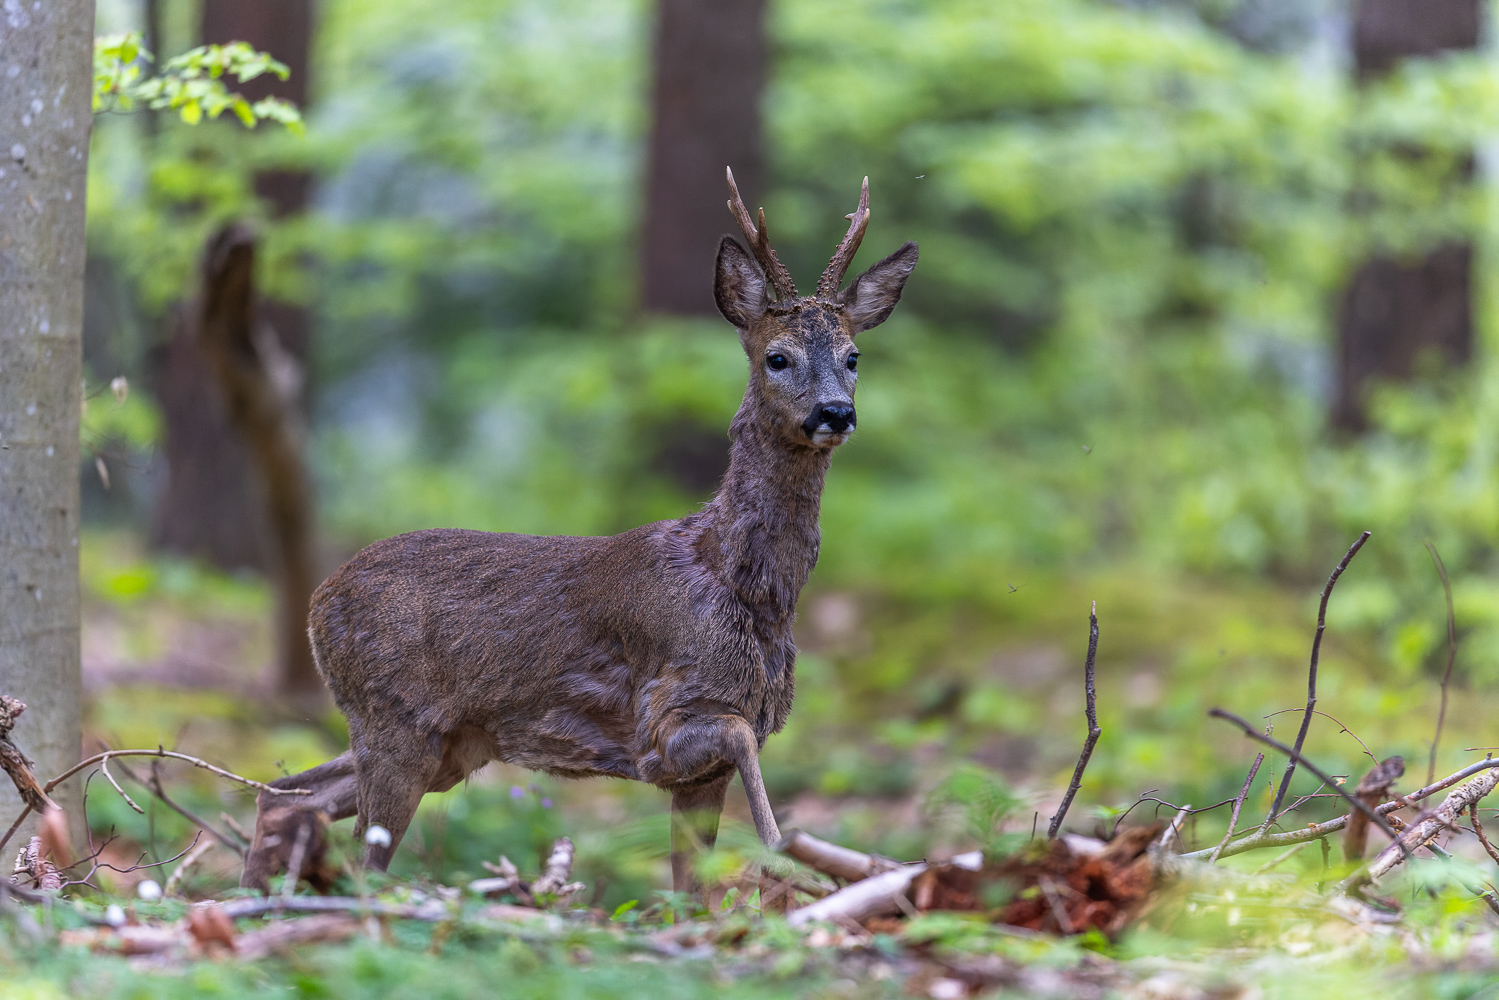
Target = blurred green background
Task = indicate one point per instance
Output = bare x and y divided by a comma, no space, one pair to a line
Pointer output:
1112,378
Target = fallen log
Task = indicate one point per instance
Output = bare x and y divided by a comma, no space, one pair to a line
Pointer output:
833,859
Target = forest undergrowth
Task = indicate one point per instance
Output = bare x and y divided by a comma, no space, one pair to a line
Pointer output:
976,899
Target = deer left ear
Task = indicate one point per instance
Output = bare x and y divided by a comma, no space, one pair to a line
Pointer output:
873,295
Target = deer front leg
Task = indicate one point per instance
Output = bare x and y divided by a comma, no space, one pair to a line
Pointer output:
694,828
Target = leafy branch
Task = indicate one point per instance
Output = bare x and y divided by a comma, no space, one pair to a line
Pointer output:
192,84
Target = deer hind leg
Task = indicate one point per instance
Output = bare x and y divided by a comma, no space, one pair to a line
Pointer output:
701,739
334,793
694,828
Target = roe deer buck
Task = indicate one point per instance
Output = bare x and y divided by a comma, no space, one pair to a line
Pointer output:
663,654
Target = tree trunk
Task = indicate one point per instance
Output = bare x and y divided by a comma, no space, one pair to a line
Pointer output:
45,121
1394,312
213,503
710,66
259,381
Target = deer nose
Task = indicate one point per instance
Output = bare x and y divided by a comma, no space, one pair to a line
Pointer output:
836,417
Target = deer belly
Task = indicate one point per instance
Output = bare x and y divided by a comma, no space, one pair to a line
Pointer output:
570,742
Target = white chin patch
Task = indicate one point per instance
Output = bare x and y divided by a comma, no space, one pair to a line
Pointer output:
825,438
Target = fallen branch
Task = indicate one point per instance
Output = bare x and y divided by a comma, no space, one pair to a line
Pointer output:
156,788
833,859
1311,679
431,910
558,867
878,895
1094,732
1442,817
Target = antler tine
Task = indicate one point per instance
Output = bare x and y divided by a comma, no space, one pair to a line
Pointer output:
832,278
759,241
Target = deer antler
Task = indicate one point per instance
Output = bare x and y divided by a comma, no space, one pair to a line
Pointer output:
759,241
832,278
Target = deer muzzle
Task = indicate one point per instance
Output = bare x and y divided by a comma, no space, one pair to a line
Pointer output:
828,421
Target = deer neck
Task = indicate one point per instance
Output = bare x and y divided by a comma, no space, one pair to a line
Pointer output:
759,533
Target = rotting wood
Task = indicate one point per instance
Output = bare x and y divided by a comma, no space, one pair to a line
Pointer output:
1372,789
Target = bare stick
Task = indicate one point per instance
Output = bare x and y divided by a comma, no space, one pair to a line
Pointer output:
1311,678
174,755
874,896
294,863
104,766
178,873
14,827
1259,840
1482,837
1431,765
1283,856
1341,728
1297,757
157,789
559,866
1094,732
1238,804
1173,828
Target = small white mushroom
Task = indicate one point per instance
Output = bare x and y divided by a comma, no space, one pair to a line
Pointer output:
377,836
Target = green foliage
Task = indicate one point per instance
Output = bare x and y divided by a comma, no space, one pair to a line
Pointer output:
191,84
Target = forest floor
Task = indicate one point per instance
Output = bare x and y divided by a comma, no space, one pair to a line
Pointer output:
177,656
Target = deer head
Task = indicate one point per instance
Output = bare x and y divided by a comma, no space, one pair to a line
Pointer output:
803,362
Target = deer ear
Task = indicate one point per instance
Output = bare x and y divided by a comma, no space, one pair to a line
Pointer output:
873,295
738,285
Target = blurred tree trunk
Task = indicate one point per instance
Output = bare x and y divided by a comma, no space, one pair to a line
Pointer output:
45,122
213,505
260,383
1394,311
709,72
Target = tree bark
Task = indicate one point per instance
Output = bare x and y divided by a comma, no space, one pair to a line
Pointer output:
213,505
46,61
259,381
710,67
1395,311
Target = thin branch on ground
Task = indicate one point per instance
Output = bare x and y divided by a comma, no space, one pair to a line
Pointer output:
156,788
1311,678
1298,758
1091,710
1341,728
1443,817
1259,839
1233,819
100,758
1482,837
1283,856
1431,765
180,872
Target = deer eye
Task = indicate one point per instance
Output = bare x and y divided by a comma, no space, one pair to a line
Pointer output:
853,361
776,362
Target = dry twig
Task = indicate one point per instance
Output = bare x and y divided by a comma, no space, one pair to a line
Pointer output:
1091,710
1311,678
1233,819
178,873
1297,757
